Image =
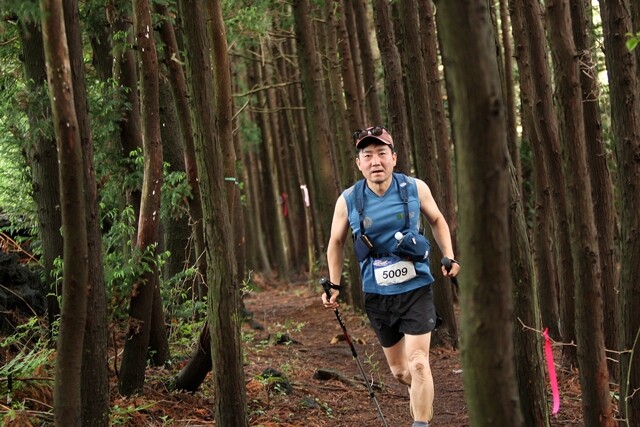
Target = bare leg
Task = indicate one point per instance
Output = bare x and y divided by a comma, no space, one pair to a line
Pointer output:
408,360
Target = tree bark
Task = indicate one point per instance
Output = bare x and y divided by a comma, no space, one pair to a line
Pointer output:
374,113
67,389
527,346
483,162
95,372
509,88
393,83
176,231
624,87
223,298
132,372
546,272
547,128
126,75
444,144
593,372
601,181
325,159
43,161
181,98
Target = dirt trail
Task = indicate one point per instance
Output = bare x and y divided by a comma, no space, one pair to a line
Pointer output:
295,311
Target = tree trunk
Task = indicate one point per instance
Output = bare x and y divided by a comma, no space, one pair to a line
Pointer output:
199,365
374,115
393,83
181,98
547,128
224,121
439,120
325,160
527,346
125,74
223,285
278,227
625,120
601,182
176,231
44,164
483,162
348,69
67,390
509,89
134,358
546,272
158,350
594,375
95,372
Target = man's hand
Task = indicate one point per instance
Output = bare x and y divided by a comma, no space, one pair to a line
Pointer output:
330,294
330,303
450,267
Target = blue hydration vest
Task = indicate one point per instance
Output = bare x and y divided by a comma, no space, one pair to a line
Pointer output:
380,218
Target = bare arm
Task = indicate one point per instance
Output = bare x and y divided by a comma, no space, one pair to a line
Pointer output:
438,225
335,248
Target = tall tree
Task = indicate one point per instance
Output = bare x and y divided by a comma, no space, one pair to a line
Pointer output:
527,346
172,58
125,73
483,162
67,391
594,375
360,14
601,181
509,86
224,121
43,160
348,69
223,298
547,128
543,228
325,159
134,358
625,120
393,82
440,124
95,373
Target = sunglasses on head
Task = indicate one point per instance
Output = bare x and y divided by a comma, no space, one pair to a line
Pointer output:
374,131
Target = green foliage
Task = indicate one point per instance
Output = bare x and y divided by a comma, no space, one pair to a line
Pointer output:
26,10
633,40
247,26
121,416
26,351
15,189
123,262
176,191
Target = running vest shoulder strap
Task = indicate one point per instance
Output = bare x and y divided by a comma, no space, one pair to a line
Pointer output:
359,189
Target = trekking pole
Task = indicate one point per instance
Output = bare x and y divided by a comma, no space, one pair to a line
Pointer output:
446,262
326,285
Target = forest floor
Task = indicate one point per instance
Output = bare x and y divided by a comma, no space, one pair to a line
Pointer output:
299,339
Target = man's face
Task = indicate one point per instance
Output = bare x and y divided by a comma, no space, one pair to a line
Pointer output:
376,162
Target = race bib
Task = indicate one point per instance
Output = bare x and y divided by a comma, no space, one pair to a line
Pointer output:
393,270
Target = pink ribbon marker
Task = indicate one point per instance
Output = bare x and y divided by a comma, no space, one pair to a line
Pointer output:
551,367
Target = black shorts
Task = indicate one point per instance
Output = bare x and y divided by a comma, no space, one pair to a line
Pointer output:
393,316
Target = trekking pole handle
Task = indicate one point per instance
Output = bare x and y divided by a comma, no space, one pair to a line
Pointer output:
327,285
447,263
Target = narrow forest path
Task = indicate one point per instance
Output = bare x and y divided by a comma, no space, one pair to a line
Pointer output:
295,339
293,315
